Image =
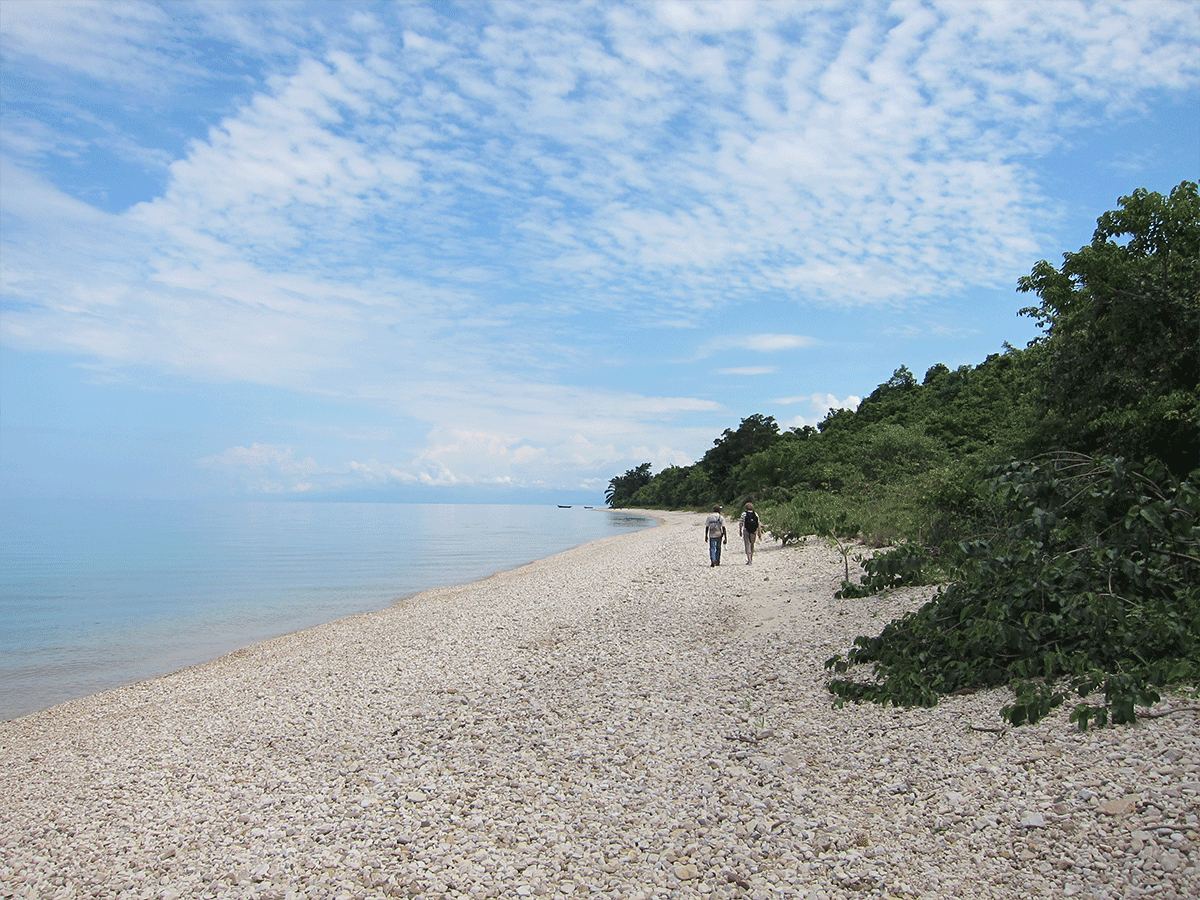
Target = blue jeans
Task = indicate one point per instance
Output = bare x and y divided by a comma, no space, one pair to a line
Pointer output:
714,551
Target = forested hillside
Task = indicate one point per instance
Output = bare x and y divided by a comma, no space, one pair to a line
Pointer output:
1052,488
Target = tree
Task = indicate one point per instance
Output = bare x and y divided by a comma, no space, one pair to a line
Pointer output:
838,419
894,399
892,452
663,491
786,463
755,434
1120,357
621,488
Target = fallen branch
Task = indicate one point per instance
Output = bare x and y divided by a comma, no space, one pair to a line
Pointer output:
764,680
1168,712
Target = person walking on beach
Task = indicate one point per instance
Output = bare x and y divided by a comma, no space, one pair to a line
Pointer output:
748,526
714,532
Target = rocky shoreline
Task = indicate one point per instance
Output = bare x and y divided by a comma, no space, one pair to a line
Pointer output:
620,721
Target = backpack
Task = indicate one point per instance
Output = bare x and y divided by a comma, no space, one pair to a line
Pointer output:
751,523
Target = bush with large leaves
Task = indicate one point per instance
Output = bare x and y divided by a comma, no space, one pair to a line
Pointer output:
1093,586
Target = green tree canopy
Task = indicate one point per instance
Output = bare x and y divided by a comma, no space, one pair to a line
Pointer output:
621,488
1120,363
755,434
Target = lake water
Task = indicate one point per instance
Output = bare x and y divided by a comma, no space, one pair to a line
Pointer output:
96,595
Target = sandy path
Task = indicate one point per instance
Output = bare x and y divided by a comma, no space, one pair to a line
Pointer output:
619,720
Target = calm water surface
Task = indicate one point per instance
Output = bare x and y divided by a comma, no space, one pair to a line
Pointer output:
95,595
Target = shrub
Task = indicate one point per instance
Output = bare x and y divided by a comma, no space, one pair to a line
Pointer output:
907,563
1093,586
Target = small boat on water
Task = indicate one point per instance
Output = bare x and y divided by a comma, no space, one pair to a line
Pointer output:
560,506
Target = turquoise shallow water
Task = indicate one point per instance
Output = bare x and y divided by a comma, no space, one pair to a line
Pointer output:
95,595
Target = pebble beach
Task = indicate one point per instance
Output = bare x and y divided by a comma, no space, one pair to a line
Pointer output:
617,721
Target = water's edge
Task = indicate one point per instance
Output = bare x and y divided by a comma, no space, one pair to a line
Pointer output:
83,611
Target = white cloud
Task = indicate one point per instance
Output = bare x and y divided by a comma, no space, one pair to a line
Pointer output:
769,343
107,41
818,406
265,469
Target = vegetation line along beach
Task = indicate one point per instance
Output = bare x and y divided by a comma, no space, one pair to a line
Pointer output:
1053,490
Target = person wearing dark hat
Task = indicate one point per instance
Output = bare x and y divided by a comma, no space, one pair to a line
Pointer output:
714,533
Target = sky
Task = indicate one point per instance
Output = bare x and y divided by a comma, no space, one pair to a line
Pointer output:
504,252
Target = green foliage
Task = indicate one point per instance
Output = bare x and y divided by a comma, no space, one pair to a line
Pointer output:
901,431
1120,360
809,512
934,507
891,452
755,434
1093,586
621,488
676,487
776,466
906,563
876,462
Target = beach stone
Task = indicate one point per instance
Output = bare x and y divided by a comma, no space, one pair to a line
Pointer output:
1121,806
686,872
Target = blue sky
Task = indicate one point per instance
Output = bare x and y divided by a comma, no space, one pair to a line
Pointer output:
440,251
